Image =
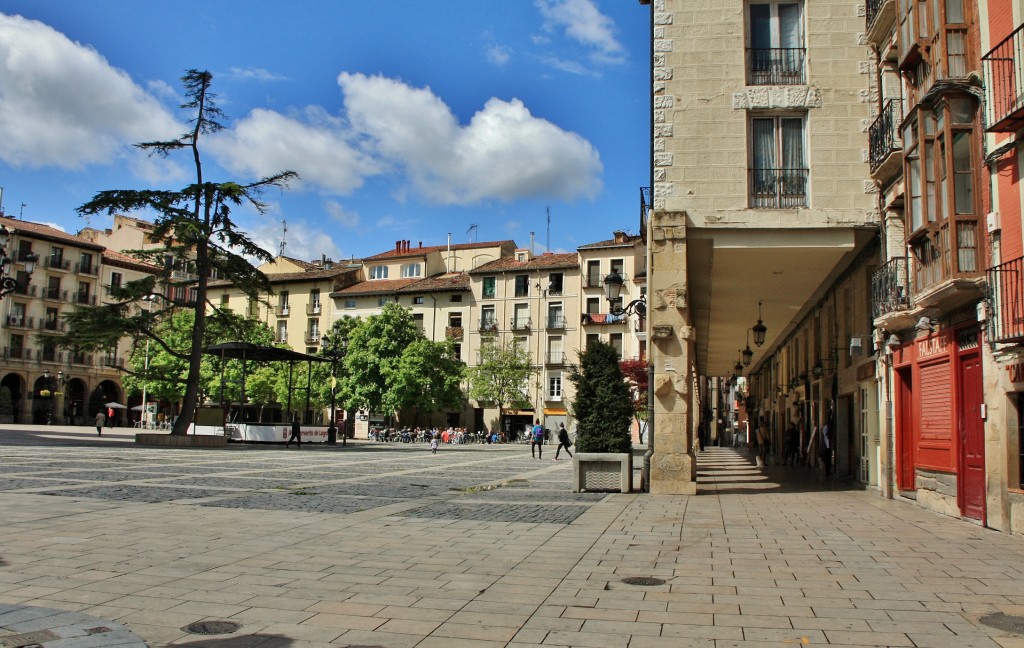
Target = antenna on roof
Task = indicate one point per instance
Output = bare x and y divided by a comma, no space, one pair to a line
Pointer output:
472,232
547,244
284,238
21,214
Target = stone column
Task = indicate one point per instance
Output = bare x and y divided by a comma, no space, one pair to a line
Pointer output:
673,465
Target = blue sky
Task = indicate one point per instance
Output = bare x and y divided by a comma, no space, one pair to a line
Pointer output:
406,119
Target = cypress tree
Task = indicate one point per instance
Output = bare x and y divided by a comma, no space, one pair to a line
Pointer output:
602,405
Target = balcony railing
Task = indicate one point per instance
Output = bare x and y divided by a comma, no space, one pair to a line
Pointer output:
312,337
55,293
81,359
871,10
17,353
883,134
556,322
48,354
1004,83
87,268
281,338
521,323
890,288
555,357
1006,296
282,310
593,280
25,289
522,291
56,263
778,188
488,325
313,308
454,332
85,299
601,319
52,325
776,66
20,321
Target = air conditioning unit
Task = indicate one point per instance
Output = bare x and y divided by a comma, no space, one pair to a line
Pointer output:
856,346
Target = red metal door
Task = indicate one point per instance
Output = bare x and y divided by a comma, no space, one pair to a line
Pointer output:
971,481
905,430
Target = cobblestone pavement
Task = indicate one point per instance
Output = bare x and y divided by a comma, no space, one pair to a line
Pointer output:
378,545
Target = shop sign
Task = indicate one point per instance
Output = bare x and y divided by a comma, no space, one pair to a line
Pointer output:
1016,372
932,347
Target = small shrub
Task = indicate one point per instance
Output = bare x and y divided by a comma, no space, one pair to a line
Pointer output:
602,405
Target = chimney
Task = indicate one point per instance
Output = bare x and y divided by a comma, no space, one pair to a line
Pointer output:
398,247
421,244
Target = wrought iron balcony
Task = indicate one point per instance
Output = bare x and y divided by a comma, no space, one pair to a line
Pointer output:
1006,297
85,299
883,134
312,337
556,322
488,325
778,188
282,310
313,308
55,294
776,66
890,288
87,268
555,357
521,323
20,321
56,263
1004,84
454,332
17,353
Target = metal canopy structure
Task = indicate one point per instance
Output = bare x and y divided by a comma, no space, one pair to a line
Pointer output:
259,353
247,351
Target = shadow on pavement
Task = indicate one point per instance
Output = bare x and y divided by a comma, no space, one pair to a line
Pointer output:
733,471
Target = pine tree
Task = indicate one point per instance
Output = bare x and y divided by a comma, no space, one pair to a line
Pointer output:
602,405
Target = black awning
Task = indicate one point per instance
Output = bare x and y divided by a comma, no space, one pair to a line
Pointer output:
260,353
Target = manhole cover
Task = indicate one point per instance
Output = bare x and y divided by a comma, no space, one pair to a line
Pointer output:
212,627
645,581
1005,622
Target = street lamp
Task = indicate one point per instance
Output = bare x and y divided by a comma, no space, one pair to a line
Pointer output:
613,289
148,299
330,347
54,389
10,284
759,329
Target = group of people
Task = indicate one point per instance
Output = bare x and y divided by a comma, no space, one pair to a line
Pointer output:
820,444
538,436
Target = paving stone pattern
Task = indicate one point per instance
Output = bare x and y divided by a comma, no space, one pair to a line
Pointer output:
373,548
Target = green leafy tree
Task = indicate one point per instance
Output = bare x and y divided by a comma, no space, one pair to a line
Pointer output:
375,348
428,378
503,376
332,343
195,226
602,404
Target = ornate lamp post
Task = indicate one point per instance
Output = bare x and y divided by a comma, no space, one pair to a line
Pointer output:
55,385
613,289
331,350
10,284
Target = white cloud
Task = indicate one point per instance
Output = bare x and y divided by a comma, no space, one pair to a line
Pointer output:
254,74
498,54
584,23
339,214
62,104
572,67
304,242
503,153
312,144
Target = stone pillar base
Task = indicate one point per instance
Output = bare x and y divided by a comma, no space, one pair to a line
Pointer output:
673,474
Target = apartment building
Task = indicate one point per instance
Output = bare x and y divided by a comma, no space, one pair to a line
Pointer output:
48,383
762,205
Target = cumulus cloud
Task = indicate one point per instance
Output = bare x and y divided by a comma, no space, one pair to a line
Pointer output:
498,54
64,105
304,242
254,74
313,144
339,214
504,152
584,23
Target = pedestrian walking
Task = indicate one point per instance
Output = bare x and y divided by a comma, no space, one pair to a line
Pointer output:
101,420
110,417
296,433
563,441
537,440
433,444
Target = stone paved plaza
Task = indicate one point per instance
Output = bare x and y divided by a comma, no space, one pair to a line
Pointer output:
388,545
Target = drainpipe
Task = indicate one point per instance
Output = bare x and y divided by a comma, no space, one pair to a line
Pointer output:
646,474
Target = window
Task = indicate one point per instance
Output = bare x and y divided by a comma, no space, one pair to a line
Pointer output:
616,267
225,300
379,272
56,259
776,52
488,322
417,319
521,317
593,305
350,304
778,173
83,292
457,298
455,320
556,316
313,330
314,300
615,340
53,288
382,301
490,285
417,299
592,337
51,322
555,281
593,279
282,303
555,387
555,352
522,285
410,270
24,249
457,350
85,266
282,332
522,256
115,279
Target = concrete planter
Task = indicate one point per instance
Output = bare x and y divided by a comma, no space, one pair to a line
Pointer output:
602,472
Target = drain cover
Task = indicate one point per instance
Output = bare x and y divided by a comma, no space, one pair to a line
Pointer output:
1005,622
212,627
645,581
